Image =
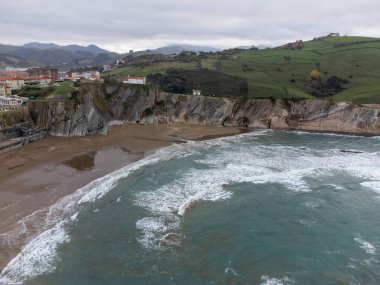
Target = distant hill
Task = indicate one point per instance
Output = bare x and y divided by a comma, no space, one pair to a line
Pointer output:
90,48
33,54
244,47
173,49
263,46
336,68
40,45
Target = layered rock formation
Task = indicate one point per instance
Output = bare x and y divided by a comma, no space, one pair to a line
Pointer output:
136,104
98,104
73,117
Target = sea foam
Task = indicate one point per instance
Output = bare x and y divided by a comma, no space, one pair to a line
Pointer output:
39,256
367,246
232,160
266,280
226,160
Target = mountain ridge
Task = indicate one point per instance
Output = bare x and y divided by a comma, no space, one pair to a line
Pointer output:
70,56
177,48
74,47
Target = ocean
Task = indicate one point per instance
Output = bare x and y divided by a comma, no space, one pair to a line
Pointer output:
267,207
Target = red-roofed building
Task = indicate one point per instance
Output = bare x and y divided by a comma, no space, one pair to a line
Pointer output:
45,71
39,79
14,82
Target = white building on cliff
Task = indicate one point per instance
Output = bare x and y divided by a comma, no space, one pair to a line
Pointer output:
135,80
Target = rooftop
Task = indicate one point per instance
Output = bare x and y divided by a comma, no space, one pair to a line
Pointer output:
136,77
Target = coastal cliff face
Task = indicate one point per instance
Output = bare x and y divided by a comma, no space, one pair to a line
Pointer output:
74,117
139,104
98,104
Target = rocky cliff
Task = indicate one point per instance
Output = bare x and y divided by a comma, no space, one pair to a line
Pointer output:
98,104
139,104
78,116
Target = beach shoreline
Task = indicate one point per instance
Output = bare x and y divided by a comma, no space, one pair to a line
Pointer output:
39,174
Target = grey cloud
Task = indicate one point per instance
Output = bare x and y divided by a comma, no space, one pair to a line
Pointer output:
121,25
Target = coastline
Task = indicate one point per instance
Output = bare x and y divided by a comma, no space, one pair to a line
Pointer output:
37,175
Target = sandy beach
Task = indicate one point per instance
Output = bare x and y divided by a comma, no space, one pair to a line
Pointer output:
37,175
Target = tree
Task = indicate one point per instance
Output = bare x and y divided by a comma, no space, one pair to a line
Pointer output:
315,74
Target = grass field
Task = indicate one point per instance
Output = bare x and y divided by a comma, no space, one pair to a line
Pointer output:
156,67
55,93
285,73
63,87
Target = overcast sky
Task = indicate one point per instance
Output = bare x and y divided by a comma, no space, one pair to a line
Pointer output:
121,25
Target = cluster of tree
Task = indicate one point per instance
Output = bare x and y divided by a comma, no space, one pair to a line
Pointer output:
147,59
323,88
245,67
210,82
173,82
297,45
34,92
187,56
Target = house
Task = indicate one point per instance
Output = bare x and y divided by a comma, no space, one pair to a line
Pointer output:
334,35
89,75
120,62
107,68
45,71
72,78
37,80
5,90
135,80
10,101
12,82
10,104
196,92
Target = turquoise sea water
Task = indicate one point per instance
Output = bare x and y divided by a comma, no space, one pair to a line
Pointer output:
259,208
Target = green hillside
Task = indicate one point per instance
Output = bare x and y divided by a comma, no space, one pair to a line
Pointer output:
282,72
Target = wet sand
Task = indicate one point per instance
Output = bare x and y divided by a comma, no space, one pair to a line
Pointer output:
39,174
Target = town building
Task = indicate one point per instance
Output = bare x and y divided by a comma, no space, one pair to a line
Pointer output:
12,82
334,35
135,80
37,80
5,90
119,62
78,75
45,71
71,78
10,101
14,72
10,104
196,92
107,67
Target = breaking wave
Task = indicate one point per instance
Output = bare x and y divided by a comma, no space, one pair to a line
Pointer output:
40,254
237,160
219,163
